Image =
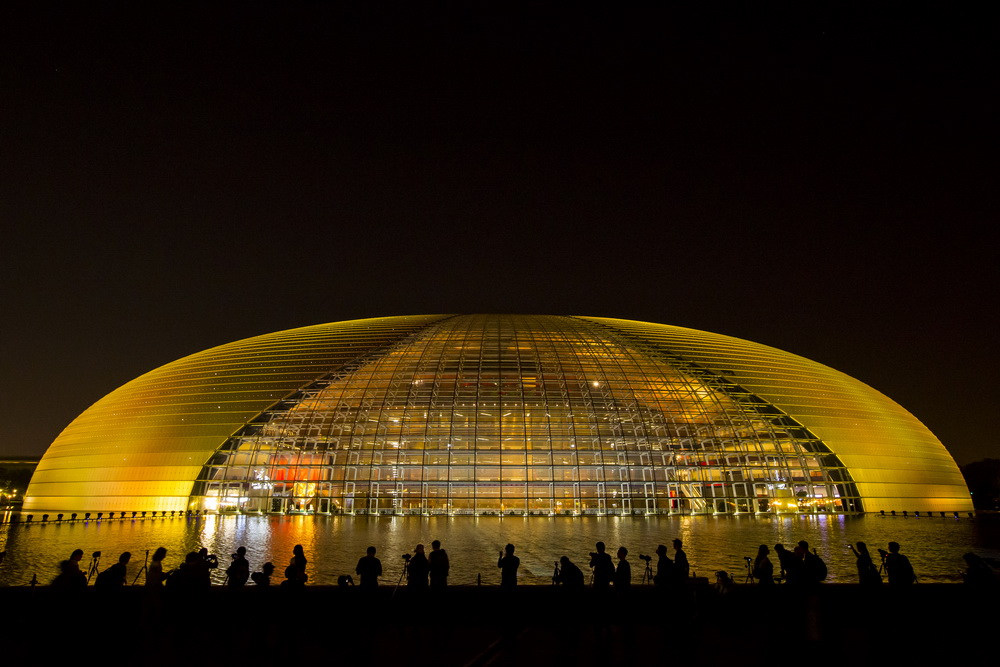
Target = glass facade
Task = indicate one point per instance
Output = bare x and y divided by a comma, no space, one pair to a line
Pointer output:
489,414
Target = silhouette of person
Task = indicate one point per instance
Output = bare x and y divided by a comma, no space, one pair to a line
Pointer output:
978,573
867,572
763,568
623,573
417,570
664,568
604,568
813,567
369,569
569,574
206,563
295,573
114,577
723,582
239,570
154,573
438,561
70,577
263,578
190,575
898,568
681,568
791,567
508,564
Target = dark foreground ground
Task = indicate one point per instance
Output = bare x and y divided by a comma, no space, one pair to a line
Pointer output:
837,624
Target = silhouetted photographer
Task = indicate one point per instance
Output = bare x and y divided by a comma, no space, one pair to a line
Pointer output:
604,568
508,564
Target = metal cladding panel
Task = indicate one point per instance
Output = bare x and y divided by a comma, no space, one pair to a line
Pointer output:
897,463
495,413
140,447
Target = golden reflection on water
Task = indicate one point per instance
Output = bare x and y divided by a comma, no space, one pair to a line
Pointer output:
333,544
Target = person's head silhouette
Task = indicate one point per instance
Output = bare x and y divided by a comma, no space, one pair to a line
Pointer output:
370,551
600,547
894,547
509,549
124,558
661,550
435,545
419,549
622,553
77,555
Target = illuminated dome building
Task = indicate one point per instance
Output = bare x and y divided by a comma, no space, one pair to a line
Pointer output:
488,414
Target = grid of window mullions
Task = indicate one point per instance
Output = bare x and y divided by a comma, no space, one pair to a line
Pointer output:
617,469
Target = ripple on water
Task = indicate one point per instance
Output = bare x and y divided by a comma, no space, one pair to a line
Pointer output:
333,544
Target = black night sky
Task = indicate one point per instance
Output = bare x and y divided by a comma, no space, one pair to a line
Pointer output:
176,177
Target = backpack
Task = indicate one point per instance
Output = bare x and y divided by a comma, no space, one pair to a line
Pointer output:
815,567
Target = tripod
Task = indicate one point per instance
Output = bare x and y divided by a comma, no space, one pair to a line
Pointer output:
647,575
144,568
406,567
95,562
749,565
555,575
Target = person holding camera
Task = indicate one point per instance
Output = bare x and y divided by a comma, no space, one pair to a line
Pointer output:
239,570
508,564
604,568
417,570
867,572
206,562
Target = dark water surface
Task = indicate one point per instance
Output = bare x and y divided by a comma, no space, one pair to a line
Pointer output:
333,544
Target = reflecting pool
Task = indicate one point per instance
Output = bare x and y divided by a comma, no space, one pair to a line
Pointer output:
333,544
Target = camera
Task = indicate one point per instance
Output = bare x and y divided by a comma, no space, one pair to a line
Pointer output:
883,553
96,554
406,557
645,557
593,554
748,559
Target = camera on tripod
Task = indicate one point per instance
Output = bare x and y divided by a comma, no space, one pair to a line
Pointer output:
645,557
883,553
96,554
748,559
406,557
